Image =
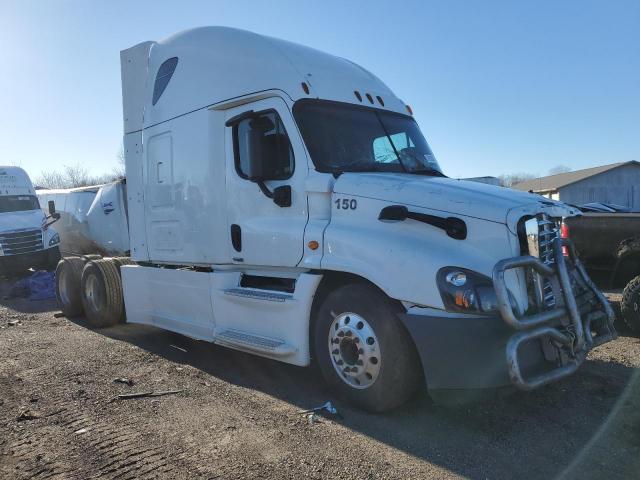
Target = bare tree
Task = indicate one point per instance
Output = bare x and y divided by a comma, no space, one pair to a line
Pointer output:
73,176
509,180
559,169
119,170
76,176
50,179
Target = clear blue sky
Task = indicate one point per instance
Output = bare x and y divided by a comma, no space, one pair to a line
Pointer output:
497,86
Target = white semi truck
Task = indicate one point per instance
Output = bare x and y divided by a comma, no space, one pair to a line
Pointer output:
283,202
27,239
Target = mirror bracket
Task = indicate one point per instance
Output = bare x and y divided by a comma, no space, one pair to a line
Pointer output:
281,195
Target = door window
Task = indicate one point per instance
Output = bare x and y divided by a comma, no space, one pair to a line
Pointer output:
261,144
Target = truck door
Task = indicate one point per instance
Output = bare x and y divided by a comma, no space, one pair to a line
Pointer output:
266,171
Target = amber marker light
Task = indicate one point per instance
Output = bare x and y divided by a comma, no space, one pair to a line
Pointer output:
313,245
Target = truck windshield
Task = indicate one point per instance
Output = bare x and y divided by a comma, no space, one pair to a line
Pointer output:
18,203
349,138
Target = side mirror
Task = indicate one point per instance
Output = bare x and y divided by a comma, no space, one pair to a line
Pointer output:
282,196
52,207
394,213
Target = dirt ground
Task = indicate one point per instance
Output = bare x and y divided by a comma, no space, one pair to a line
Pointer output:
237,415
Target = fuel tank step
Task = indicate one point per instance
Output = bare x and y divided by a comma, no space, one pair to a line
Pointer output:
254,343
257,294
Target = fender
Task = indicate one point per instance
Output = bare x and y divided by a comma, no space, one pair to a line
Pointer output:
402,258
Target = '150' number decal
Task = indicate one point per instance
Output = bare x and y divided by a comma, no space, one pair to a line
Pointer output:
346,204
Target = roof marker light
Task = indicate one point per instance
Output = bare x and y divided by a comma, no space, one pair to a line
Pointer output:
358,96
409,109
305,87
380,101
370,98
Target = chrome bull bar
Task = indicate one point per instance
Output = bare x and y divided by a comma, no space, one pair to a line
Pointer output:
577,337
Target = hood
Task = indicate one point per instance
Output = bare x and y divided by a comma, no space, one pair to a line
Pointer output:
460,197
31,219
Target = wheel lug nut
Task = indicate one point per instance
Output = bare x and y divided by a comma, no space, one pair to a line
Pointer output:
335,351
341,334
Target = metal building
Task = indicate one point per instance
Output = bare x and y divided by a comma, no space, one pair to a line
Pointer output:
617,183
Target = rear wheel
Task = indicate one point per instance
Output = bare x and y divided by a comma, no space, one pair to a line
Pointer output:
68,288
363,351
102,293
121,261
630,305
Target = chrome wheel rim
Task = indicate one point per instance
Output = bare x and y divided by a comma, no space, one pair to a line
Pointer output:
354,350
93,293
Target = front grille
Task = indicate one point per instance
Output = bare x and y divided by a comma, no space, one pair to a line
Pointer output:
21,241
547,233
537,236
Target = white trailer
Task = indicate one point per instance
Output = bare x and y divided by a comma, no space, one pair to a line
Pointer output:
283,202
93,219
27,239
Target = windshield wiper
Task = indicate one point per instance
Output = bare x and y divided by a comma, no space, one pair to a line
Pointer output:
431,172
386,132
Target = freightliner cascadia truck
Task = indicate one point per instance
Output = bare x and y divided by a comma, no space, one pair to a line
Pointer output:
27,239
283,202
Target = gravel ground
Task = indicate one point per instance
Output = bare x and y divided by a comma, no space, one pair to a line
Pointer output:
237,415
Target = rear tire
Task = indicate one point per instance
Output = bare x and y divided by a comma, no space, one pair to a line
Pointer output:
363,351
68,286
630,305
102,293
121,261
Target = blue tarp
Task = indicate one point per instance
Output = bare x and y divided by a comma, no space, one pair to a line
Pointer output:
40,285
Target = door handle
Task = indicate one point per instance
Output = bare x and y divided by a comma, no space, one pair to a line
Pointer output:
236,237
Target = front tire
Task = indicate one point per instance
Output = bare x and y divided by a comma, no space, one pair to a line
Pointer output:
102,296
630,305
363,351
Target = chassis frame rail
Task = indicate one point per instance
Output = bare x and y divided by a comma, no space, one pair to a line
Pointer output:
578,337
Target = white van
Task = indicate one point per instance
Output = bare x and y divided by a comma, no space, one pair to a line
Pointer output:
27,239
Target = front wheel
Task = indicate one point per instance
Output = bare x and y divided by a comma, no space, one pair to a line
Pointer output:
363,351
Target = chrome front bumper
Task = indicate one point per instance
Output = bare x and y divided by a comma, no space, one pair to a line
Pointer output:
568,331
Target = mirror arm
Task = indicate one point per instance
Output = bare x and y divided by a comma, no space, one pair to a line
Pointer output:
55,216
268,193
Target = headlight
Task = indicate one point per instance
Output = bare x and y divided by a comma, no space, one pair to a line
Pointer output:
467,291
54,240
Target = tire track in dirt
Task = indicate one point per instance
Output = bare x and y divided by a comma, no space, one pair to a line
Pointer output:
71,428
